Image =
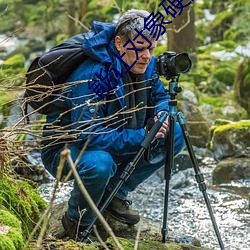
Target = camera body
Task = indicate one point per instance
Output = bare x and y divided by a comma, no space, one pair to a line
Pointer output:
171,65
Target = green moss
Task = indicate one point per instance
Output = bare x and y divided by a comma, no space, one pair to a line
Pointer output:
6,243
128,244
224,75
60,38
228,45
214,101
13,71
235,125
222,22
239,128
16,61
14,234
9,219
242,84
219,102
22,200
160,49
16,237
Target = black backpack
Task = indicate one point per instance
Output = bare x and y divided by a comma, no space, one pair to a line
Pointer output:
48,73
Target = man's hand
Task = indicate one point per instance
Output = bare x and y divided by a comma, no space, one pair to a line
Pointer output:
164,128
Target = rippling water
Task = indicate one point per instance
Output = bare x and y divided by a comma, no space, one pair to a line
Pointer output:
188,215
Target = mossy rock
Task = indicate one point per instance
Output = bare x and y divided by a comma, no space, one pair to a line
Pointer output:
221,106
232,139
231,169
150,235
225,75
16,61
22,200
10,231
13,70
128,244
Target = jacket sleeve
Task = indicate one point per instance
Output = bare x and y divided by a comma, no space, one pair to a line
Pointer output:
88,121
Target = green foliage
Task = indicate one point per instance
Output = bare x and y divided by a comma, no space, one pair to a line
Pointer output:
160,49
13,239
12,67
242,84
21,199
128,244
16,61
219,102
230,23
214,101
224,75
6,243
221,132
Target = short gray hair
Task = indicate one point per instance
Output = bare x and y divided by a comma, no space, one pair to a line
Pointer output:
131,20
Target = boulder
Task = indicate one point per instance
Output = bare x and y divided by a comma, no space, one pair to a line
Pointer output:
231,169
150,235
232,139
197,125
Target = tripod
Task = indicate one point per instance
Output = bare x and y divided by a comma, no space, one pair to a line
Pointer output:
169,163
173,90
129,169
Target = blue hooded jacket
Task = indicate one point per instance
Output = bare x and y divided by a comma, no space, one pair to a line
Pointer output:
90,118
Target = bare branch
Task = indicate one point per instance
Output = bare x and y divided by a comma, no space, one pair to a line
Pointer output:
184,25
79,22
66,154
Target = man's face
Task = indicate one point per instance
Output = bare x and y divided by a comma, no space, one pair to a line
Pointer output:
129,57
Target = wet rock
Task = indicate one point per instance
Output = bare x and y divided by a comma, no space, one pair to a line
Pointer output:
231,169
31,167
190,96
232,139
181,179
197,125
150,234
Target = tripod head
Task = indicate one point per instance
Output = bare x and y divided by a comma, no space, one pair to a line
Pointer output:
174,89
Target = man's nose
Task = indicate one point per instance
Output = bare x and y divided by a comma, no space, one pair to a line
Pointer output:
146,54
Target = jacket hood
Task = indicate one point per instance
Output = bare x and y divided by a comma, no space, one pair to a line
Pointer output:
98,42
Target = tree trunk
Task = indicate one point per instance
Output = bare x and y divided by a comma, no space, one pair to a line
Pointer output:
181,37
72,14
83,7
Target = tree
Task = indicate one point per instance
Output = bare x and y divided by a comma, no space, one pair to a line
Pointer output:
181,33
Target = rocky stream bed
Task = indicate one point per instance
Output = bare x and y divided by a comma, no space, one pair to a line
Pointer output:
188,215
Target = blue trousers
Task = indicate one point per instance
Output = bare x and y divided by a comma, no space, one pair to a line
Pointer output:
100,170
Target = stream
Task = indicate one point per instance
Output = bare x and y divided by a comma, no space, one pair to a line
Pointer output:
187,212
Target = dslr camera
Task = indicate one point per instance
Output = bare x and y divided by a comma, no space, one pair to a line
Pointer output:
171,65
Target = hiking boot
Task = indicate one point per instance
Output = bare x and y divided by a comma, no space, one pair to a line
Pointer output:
75,231
121,211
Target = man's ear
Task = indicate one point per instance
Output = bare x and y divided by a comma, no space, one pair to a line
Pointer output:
118,43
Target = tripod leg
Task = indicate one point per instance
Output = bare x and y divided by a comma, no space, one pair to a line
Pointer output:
168,173
199,177
129,168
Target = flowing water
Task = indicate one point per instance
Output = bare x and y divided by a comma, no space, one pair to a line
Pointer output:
187,212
